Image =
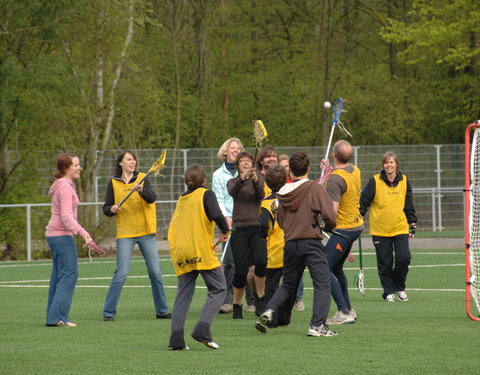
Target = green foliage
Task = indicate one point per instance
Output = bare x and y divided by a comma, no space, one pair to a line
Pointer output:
198,72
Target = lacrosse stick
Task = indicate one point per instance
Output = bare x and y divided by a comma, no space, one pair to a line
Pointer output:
225,235
155,168
224,250
260,134
358,278
92,245
337,112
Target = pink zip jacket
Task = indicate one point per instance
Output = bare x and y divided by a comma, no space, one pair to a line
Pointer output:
63,221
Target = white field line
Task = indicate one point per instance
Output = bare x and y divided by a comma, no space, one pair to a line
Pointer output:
172,275
204,287
26,283
11,264
34,264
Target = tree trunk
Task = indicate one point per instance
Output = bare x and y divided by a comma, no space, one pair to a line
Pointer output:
223,41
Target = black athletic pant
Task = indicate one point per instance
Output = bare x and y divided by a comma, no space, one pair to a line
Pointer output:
299,254
248,248
284,313
393,273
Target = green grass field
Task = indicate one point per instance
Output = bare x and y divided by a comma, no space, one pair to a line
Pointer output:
430,334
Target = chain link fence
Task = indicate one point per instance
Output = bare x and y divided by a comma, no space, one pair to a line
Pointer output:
436,173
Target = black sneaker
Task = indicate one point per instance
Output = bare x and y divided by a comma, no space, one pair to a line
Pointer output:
237,311
164,316
108,318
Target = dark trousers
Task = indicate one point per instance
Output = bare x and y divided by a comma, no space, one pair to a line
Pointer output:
228,272
392,272
338,248
299,254
215,282
284,313
248,249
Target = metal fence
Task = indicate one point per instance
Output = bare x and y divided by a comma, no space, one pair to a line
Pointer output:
435,172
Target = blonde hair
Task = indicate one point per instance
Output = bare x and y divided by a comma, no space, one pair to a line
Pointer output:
223,149
282,157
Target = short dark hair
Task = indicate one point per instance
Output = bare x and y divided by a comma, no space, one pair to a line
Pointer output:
243,154
276,177
299,164
121,155
264,152
64,161
195,176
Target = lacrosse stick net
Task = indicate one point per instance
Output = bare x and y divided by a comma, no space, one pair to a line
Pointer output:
472,220
259,135
337,110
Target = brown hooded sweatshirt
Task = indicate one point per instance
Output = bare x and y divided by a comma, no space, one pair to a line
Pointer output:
300,204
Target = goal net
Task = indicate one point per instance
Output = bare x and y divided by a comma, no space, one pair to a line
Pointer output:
472,220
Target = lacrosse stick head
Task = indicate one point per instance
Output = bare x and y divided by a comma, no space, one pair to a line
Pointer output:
359,282
259,133
158,165
337,113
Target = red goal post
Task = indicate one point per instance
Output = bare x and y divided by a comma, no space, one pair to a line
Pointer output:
472,220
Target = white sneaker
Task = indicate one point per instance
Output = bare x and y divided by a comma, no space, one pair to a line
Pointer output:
322,330
263,320
390,298
402,296
299,305
353,313
341,318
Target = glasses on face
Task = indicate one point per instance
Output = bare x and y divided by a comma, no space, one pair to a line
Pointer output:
245,161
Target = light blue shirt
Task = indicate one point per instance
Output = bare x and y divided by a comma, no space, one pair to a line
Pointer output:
219,187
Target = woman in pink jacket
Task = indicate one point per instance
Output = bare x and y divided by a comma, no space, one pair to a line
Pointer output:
62,226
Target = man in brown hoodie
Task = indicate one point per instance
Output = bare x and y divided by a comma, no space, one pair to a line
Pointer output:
300,203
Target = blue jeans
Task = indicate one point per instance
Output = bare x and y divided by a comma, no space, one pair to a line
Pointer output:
338,249
64,278
148,247
299,295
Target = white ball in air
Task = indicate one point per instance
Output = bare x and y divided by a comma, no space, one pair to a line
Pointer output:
327,105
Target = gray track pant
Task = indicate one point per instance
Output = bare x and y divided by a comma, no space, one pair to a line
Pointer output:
215,282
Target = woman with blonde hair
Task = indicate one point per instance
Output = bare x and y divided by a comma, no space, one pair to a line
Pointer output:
227,154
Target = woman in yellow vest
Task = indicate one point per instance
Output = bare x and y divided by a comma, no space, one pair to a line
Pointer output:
136,222
190,236
392,223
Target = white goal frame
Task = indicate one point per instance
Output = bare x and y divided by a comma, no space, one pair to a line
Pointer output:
472,220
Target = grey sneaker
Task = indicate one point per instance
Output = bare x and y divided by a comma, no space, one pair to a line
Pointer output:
353,313
263,320
341,318
390,298
402,296
322,330
226,308
299,305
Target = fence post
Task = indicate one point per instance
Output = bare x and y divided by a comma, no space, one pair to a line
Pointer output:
355,155
185,161
434,214
29,232
439,187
